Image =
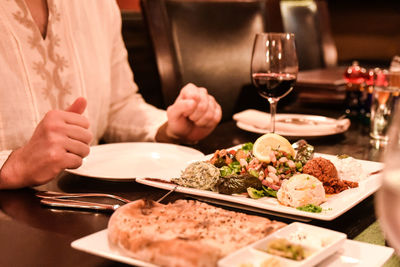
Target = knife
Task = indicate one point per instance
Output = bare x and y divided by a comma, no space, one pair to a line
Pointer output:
62,195
62,203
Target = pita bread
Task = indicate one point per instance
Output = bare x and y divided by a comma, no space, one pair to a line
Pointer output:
184,233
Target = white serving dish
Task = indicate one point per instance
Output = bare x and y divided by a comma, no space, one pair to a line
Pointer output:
255,254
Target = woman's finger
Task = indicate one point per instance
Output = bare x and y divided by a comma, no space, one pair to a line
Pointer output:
181,108
75,119
72,161
76,147
207,119
202,106
78,133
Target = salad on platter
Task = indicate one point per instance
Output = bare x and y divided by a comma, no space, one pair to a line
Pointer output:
272,167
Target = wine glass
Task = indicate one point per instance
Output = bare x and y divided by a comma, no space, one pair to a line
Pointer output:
388,197
274,67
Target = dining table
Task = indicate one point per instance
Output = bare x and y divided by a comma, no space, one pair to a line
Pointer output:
32,234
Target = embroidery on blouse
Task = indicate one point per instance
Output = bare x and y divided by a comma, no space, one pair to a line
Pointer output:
51,77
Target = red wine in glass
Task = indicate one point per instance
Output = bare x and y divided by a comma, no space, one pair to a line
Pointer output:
274,85
274,67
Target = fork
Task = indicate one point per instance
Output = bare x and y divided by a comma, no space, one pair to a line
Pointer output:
64,203
61,200
167,194
60,195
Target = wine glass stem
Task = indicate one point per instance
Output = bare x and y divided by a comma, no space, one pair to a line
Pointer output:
272,111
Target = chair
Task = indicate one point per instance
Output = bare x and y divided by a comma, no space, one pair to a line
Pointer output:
208,43
309,21
141,57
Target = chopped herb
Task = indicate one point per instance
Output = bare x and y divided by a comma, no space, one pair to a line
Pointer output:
283,248
299,165
235,166
255,194
270,192
230,169
264,192
310,208
248,146
253,172
225,171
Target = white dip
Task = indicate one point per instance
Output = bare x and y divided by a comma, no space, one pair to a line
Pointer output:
349,169
311,241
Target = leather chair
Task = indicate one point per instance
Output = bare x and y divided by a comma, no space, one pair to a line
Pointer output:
209,43
141,57
309,21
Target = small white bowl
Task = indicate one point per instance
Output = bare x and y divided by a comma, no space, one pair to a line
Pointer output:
255,253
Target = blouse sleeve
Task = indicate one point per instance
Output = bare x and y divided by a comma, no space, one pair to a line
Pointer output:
130,117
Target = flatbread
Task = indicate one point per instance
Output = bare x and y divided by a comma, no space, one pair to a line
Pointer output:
184,233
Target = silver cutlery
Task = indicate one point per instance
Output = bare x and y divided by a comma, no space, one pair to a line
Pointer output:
167,194
61,200
63,203
61,195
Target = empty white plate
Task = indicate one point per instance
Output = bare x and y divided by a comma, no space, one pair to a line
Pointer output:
121,161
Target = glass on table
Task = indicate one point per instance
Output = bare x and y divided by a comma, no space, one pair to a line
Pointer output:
388,197
384,98
274,67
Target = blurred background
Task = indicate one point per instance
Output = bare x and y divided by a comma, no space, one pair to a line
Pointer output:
364,30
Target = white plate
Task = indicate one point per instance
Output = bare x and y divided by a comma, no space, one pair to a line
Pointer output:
331,241
253,129
351,254
121,161
291,125
335,206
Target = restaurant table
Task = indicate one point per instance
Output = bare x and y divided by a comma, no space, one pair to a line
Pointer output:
35,235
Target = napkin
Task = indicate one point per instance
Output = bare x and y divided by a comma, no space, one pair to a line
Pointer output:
293,124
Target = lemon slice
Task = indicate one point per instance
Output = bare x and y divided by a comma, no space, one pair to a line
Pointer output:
265,143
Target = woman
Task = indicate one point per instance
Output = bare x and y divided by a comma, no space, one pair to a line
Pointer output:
66,83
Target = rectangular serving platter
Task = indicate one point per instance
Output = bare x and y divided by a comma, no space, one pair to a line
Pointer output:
335,205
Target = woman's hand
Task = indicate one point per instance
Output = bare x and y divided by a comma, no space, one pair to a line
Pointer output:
60,141
193,116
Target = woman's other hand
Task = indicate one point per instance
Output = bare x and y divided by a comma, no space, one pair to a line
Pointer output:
193,116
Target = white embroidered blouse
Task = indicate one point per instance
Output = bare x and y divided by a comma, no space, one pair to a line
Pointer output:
83,54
